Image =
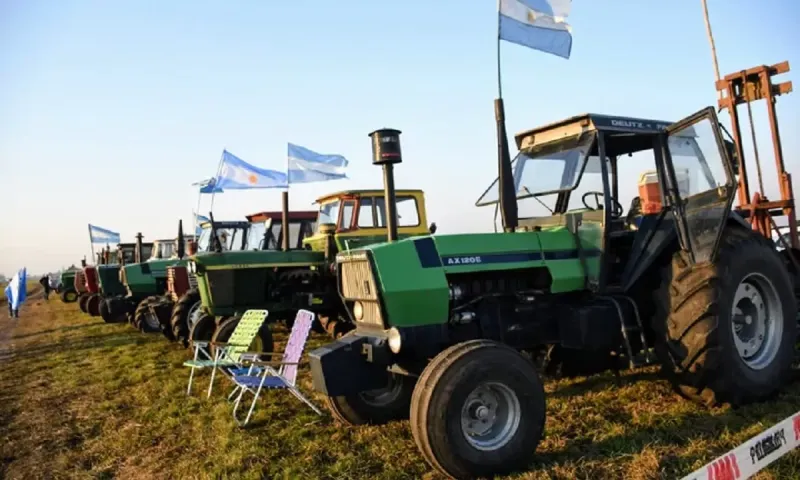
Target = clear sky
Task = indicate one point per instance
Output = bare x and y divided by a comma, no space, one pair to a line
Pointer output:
110,110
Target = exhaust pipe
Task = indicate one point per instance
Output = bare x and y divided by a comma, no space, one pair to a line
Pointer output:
386,153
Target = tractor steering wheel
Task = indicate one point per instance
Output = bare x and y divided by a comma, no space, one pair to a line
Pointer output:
616,211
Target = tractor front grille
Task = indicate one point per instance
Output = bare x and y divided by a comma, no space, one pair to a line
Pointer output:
238,289
177,281
358,285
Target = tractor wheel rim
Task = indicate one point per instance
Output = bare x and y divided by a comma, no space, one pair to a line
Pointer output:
490,416
152,321
757,321
381,397
194,314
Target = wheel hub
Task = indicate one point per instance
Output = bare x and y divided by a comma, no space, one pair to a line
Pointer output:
152,321
490,416
757,320
194,314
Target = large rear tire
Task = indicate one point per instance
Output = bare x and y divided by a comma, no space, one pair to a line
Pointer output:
726,331
375,407
478,410
145,320
184,315
93,304
82,299
262,343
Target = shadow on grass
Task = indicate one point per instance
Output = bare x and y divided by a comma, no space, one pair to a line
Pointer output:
56,330
106,340
604,382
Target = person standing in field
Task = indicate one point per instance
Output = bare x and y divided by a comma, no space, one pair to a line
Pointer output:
45,281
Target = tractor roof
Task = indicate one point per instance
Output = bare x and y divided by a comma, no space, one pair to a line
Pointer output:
226,224
293,215
591,122
126,244
632,134
364,193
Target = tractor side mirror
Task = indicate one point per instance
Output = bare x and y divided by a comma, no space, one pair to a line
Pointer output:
730,149
432,228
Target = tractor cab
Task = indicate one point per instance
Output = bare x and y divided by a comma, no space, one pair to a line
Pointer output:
163,250
266,232
358,218
230,236
610,182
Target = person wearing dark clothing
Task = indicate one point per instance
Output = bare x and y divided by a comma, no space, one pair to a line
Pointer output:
45,281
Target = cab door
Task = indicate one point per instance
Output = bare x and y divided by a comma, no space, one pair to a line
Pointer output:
700,182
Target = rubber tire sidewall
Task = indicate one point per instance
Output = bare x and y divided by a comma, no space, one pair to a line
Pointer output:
758,384
203,330
439,395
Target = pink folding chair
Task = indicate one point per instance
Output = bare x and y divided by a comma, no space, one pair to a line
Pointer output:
262,374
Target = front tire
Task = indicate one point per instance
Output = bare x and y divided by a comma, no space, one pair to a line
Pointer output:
144,319
375,407
93,304
203,329
69,296
478,410
184,315
726,331
82,299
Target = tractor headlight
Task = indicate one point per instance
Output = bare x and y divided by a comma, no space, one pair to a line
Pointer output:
395,340
358,311
192,267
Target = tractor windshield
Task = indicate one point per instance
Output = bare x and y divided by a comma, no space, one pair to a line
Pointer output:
255,235
546,169
329,212
127,254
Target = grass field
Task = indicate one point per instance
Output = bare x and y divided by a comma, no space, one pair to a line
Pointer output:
82,399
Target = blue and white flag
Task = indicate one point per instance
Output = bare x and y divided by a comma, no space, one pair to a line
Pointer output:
236,174
537,24
208,185
16,289
199,219
101,235
307,166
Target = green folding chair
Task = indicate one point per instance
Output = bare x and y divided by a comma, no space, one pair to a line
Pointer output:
226,355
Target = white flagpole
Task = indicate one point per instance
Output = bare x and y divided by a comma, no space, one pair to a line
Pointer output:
713,47
499,77
214,190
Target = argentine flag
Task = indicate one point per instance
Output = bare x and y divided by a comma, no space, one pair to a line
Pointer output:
16,289
537,24
236,174
103,236
307,166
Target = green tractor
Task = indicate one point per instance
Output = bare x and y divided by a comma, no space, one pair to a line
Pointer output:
450,328
146,281
111,289
293,271
66,285
214,236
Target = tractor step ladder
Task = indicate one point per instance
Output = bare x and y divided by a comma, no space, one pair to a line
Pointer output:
644,356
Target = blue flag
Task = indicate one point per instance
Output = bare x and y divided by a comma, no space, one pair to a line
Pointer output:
537,24
200,219
208,186
236,174
307,166
101,235
16,289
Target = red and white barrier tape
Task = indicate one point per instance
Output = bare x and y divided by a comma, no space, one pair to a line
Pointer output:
753,455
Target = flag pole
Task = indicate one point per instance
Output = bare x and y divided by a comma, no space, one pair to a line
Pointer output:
214,189
285,210
91,241
499,75
713,47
